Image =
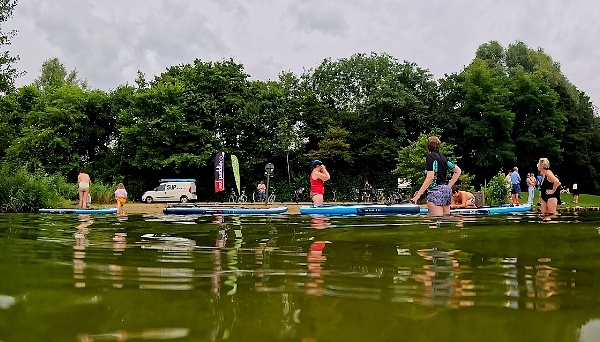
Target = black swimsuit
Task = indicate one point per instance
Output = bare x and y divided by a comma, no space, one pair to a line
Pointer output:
548,185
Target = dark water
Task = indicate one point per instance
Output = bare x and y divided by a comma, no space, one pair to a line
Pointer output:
296,278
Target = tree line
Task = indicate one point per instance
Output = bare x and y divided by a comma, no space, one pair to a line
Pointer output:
508,107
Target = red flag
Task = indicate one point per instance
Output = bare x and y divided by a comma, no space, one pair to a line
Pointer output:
220,171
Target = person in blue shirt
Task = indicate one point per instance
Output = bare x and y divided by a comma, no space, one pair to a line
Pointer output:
515,180
439,188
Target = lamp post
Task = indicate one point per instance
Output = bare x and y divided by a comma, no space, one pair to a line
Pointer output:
269,173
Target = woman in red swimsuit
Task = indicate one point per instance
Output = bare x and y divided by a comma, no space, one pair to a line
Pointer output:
318,176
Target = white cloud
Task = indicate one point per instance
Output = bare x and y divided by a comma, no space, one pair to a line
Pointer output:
109,41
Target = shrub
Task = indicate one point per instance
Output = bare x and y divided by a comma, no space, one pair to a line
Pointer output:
22,191
497,190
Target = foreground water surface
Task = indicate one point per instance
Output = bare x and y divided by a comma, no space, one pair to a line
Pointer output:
299,278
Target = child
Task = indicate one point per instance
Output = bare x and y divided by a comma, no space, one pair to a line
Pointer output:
121,197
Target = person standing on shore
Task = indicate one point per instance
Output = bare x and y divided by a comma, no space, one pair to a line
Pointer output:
575,192
84,182
515,191
261,191
531,183
121,198
318,177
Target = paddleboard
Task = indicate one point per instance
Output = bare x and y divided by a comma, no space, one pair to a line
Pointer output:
361,209
186,210
501,209
78,211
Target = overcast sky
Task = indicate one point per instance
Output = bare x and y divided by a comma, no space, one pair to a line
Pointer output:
107,41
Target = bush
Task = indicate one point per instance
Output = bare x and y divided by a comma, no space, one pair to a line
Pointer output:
497,190
102,193
22,191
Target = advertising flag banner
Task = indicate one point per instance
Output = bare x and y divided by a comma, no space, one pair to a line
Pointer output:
220,171
236,172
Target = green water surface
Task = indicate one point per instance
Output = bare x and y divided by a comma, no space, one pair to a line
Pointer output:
299,278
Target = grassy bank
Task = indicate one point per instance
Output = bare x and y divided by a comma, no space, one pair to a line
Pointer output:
585,200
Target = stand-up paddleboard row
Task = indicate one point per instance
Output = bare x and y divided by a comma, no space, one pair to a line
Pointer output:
405,209
191,210
351,209
79,211
361,209
501,209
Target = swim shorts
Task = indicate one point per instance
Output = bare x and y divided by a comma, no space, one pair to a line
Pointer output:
516,189
440,195
121,200
84,185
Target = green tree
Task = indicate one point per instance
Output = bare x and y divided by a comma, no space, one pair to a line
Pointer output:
476,117
8,73
52,133
539,126
411,162
54,74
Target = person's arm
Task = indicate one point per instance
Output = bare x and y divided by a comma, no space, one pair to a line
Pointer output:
428,179
463,200
457,171
322,173
556,183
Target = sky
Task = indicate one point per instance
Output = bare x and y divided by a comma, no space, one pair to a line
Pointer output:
107,41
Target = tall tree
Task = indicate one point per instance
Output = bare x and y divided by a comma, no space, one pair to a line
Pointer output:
8,73
54,74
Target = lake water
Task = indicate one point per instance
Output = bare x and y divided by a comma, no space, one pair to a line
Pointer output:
297,278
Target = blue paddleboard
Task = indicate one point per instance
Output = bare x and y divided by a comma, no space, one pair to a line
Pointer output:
500,209
78,211
186,210
361,209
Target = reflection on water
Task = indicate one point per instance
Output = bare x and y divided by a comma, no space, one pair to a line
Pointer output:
300,278
146,334
81,242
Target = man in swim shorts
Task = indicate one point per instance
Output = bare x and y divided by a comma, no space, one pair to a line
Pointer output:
462,199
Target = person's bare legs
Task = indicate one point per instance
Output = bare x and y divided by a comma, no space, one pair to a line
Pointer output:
82,198
551,206
436,210
317,200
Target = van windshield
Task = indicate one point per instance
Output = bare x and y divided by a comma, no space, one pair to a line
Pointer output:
160,188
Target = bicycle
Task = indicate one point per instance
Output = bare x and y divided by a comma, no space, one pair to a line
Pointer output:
272,197
298,195
355,194
233,197
378,195
243,198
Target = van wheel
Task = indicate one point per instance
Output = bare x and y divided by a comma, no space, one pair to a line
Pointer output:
183,199
149,199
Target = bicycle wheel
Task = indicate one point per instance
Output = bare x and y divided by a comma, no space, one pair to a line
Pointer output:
232,199
243,199
272,198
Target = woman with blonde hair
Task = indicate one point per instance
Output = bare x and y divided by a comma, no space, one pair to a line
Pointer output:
549,194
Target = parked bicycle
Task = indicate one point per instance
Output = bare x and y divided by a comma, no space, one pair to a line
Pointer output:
243,198
272,196
356,194
378,195
298,195
233,198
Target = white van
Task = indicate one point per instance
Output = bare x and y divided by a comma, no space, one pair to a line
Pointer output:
172,190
